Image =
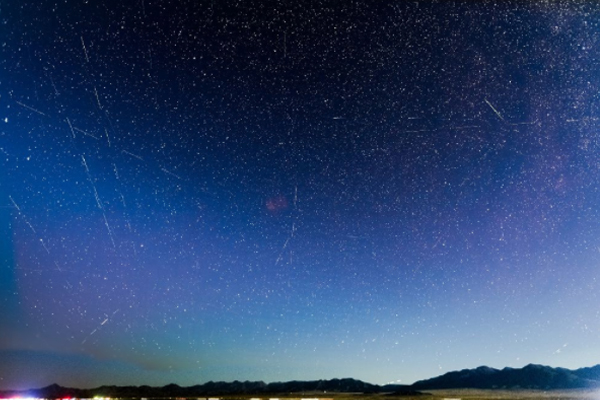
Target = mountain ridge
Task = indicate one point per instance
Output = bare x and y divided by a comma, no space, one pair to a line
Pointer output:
531,376
344,385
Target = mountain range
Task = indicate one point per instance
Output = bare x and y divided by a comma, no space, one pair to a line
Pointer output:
529,377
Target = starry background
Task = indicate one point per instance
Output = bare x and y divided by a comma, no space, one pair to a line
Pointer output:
279,190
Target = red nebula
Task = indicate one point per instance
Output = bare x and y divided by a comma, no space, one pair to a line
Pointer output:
276,204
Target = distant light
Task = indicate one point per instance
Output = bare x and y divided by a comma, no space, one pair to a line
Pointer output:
22,398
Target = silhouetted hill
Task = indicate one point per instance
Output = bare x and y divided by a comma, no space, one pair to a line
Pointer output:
529,377
333,385
589,372
210,389
54,391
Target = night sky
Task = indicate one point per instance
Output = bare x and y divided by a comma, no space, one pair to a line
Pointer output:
294,190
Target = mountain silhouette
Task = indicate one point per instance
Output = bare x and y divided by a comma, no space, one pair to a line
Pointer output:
346,385
531,376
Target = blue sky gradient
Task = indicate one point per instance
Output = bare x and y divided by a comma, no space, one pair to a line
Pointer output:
200,191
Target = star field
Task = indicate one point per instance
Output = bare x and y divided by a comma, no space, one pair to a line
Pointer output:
195,191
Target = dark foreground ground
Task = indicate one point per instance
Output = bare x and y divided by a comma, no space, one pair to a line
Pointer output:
438,394
483,394
449,394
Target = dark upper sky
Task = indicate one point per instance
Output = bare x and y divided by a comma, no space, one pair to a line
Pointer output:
197,190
